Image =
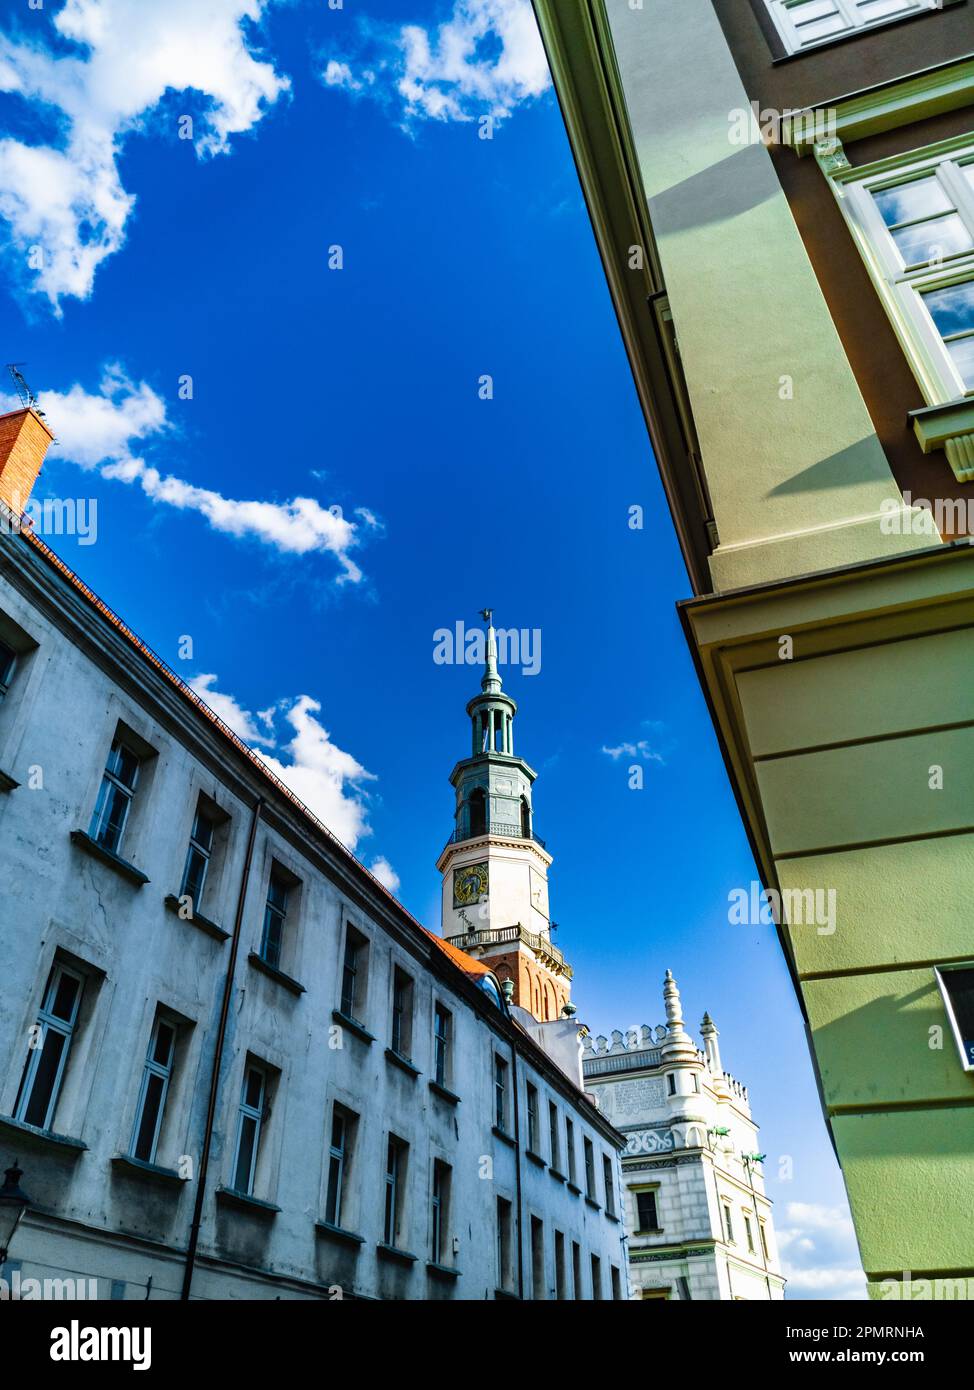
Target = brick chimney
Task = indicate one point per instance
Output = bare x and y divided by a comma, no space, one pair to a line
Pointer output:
24,440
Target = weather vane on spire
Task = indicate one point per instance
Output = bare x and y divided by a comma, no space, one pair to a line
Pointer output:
487,614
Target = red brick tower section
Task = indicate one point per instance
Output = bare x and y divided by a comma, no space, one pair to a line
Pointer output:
24,441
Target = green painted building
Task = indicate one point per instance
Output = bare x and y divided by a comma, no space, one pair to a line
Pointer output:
782,192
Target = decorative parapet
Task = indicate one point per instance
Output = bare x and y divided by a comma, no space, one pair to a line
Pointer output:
633,1040
547,953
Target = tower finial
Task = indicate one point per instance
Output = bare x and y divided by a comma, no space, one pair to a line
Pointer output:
491,681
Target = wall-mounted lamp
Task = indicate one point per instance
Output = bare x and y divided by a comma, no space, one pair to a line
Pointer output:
13,1203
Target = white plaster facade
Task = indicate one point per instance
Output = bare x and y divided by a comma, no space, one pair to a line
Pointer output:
78,683
691,1149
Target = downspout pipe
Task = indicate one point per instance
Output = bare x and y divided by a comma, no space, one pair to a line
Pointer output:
221,1036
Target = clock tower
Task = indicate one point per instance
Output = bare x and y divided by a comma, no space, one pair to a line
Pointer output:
494,867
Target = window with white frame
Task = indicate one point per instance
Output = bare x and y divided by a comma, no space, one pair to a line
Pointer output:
442,1046
397,1153
343,1124
250,1124
913,219
402,1013
957,990
354,974
500,1092
804,24
440,1212
275,918
154,1091
198,857
48,1048
115,797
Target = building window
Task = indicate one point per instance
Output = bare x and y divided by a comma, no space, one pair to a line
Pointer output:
538,1288
339,1156
647,1214
500,1092
561,1272
589,1169
914,225
155,1089
533,1135
576,1270
505,1272
596,1278
805,24
8,658
749,1235
608,1182
396,1155
354,974
402,1012
554,1135
50,1044
728,1224
696,1083
764,1240
275,916
250,1124
442,1038
440,1212
616,1282
671,1083
570,1149
957,990
197,859
115,797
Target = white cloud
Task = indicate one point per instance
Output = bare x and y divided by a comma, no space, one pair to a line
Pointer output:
820,1258
103,430
486,58
329,781
244,724
64,202
385,873
642,749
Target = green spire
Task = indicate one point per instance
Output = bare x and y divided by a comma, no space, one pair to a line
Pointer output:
491,682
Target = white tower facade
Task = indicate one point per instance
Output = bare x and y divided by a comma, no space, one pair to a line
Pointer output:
494,866
698,1218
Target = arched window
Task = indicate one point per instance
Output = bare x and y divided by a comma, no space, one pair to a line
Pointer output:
525,818
478,812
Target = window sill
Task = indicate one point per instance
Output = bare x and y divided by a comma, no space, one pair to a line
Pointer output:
444,1093
535,1158
590,1201
7,783
46,1136
353,1026
229,1196
339,1234
949,427
559,1177
506,1294
272,973
114,861
499,1133
611,1216
154,1172
197,920
442,1271
398,1059
656,1231
573,1187
393,1253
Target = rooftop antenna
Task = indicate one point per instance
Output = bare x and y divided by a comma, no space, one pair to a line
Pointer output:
27,398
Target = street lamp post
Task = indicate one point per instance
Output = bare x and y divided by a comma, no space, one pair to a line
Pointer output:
13,1203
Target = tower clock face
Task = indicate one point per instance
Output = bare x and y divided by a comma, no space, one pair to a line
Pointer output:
469,884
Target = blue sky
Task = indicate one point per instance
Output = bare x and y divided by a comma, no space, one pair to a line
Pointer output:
335,489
